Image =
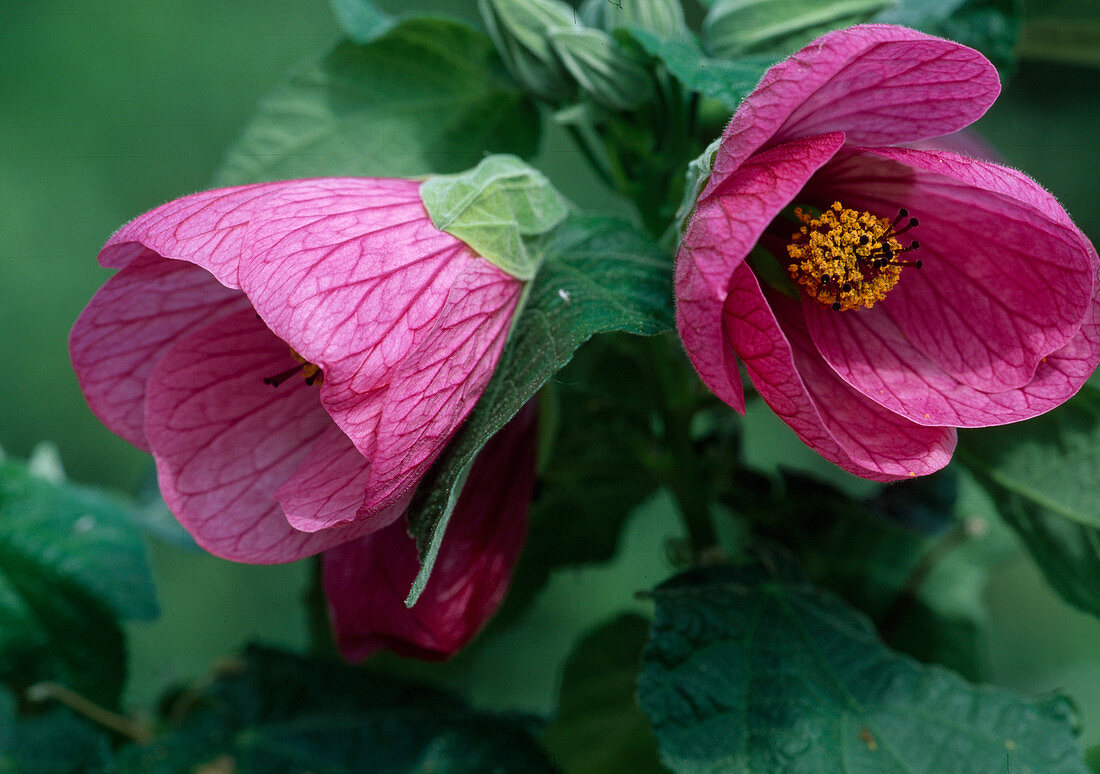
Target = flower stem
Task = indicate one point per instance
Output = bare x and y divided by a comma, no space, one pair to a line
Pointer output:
682,474
120,724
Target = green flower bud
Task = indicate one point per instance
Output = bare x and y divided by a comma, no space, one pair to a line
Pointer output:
736,27
520,29
604,71
664,18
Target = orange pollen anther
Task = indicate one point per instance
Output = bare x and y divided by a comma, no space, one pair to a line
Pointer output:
312,373
846,259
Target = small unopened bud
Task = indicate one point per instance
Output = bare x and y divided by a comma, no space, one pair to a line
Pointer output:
603,70
736,27
520,29
664,18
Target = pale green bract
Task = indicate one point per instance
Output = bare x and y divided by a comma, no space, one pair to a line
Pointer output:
493,207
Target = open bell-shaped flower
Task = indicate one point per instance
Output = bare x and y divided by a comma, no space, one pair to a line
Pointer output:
881,295
295,355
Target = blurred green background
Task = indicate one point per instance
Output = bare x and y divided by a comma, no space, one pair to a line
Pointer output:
108,109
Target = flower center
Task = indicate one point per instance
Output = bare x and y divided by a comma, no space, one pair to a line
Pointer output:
312,373
847,259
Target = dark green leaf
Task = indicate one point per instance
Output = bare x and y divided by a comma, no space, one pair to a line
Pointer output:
362,20
273,712
53,741
1044,476
598,275
71,564
922,587
600,728
722,79
751,669
427,96
593,477
991,26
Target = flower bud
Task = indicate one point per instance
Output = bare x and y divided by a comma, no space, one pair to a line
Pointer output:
664,18
520,29
604,71
736,27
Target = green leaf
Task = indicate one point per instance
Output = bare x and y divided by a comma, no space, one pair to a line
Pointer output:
1044,476
273,712
751,669
51,742
725,80
593,477
426,96
598,275
916,558
991,26
1050,462
600,727
493,207
362,20
71,564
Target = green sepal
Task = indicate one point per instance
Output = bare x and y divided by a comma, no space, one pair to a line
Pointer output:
520,29
492,207
602,69
664,18
733,28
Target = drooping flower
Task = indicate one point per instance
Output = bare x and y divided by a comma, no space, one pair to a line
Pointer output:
294,355
366,580
910,291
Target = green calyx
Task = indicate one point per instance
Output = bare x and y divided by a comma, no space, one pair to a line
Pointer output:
493,208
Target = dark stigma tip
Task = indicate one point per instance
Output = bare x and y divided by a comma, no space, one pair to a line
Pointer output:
836,306
903,213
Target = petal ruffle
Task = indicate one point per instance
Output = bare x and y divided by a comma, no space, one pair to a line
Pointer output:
722,232
366,580
129,323
329,486
224,441
836,421
406,321
1004,285
878,84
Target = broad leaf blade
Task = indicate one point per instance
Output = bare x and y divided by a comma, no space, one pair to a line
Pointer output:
54,741
600,727
751,670
71,565
1044,476
598,275
426,96
726,80
273,712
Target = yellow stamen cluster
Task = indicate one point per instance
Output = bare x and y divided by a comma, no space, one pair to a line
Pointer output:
311,372
836,257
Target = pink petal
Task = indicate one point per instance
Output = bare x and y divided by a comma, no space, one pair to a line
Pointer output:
406,321
224,441
366,581
878,84
720,235
128,324
837,422
329,487
1003,285
209,229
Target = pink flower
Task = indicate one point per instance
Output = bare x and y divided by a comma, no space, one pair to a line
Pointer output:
378,331
1002,319
366,580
